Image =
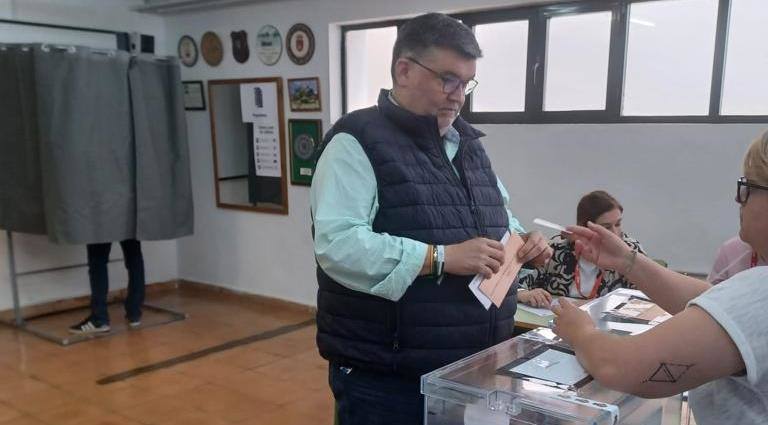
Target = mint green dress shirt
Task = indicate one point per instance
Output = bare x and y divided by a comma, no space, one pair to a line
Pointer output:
344,202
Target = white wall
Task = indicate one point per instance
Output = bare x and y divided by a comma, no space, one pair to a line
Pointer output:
675,180
35,252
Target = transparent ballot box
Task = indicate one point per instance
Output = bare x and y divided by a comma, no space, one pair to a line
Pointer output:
535,379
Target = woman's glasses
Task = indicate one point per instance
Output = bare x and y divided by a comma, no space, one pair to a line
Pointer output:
743,187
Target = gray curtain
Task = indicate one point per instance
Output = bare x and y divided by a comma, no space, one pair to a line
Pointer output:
21,195
113,155
163,186
86,146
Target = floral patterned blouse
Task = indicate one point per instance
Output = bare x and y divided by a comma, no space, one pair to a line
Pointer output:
556,277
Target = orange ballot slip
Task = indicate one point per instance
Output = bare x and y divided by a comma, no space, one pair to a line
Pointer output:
497,286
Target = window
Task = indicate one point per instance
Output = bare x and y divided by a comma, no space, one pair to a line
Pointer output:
501,72
368,70
670,51
577,62
745,86
595,61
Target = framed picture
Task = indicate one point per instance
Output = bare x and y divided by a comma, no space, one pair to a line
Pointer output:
305,137
304,94
194,95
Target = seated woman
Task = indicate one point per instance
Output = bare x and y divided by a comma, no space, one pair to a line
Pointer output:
734,256
561,275
715,344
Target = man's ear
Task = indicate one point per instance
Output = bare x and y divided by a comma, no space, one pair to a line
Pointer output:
402,72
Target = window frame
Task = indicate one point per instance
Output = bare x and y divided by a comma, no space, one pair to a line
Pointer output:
537,17
344,30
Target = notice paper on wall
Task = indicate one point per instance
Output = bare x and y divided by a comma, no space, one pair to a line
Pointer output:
266,150
258,103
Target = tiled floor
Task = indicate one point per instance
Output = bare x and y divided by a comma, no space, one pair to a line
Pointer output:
278,380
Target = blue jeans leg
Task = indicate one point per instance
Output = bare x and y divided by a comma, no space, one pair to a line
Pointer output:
134,263
98,256
371,398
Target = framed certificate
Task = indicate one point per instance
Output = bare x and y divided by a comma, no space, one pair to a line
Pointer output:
305,137
194,96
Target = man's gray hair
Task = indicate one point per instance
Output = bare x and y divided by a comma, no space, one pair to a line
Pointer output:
434,30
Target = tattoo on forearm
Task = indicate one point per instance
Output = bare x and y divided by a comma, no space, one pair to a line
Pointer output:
669,372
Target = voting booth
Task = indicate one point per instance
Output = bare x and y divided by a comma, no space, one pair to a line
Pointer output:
535,379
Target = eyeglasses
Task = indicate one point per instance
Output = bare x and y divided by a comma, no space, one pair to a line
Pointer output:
450,83
742,189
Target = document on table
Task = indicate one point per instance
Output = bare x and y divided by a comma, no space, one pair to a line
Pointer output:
494,289
543,312
547,311
639,311
628,328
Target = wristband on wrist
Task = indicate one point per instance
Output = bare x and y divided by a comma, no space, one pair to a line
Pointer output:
433,269
630,262
440,259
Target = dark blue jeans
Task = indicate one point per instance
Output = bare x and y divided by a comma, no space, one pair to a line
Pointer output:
98,256
370,398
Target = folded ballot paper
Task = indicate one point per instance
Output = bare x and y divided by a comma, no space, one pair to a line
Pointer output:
494,289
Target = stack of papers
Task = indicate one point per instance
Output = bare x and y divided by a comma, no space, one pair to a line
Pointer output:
638,310
543,312
546,311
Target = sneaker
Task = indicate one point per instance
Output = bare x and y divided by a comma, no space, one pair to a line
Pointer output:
133,323
87,326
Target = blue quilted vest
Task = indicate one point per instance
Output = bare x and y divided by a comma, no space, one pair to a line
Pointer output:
422,198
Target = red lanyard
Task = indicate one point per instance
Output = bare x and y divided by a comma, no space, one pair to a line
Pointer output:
577,280
753,262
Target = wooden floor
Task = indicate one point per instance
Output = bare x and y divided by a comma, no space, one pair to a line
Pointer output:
275,377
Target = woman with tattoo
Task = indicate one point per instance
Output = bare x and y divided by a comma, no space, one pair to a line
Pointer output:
715,345
567,274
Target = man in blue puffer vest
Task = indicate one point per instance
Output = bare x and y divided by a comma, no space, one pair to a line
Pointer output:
406,210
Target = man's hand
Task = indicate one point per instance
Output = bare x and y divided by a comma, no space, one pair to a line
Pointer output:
475,256
571,323
536,250
535,297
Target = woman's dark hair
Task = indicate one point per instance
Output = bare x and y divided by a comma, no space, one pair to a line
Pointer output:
593,205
